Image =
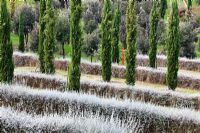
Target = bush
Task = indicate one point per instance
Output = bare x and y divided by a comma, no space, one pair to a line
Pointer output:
188,36
34,39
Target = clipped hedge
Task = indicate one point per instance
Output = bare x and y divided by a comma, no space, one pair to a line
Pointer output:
15,122
109,90
184,63
155,119
142,60
144,74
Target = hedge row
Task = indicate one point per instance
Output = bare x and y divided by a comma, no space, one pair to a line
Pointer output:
12,121
109,90
155,119
184,63
144,74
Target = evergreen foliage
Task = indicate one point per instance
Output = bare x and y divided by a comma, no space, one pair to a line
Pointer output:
116,35
49,42
163,8
41,35
153,35
173,47
131,41
6,50
106,34
76,41
21,32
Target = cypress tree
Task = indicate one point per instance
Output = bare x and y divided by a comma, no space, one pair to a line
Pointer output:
163,8
49,42
131,41
21,32
41,34
173,47
106,33
116,35
12,7
6,49
153,35
76,41
189,4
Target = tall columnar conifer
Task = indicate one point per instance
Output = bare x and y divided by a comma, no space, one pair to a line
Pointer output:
21,32
106,33
153,35
12,7
49,42
41,34
76,41
6,49
173,47
116,34
131,41
163,8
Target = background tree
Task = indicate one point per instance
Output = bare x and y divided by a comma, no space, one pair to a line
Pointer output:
131,41
153,35
91,43
29,20
49,42
163,8
63,29
116,34
21,33
6,50
76,41
41,34
173,47
106,34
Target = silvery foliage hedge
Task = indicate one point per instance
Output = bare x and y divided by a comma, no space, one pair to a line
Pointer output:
153,118
16,121
112,90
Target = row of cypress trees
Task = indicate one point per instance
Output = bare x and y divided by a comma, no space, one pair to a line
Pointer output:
6,49
173,36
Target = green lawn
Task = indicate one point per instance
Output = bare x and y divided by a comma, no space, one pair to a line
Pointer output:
15,39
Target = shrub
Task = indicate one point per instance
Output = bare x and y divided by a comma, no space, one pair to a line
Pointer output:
187,40
34,39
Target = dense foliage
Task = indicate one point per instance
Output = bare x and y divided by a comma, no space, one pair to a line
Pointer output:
21,32
173,47
41,34
76,42
116,35
49,41
131,41
153,35
6,49
106,34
